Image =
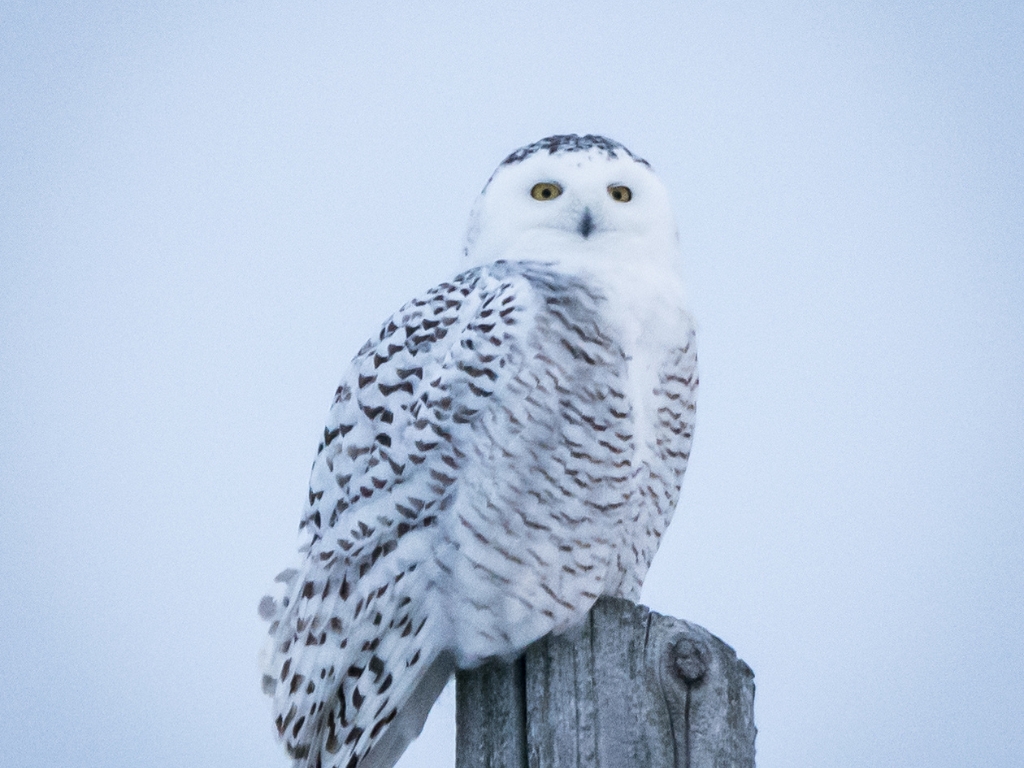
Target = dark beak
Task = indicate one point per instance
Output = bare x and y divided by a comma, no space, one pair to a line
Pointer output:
586,225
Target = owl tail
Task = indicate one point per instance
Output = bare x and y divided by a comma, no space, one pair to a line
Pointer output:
353,677
411,717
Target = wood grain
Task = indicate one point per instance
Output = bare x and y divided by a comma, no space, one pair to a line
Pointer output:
629,687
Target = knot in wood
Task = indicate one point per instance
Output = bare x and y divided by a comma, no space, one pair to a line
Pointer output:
689,660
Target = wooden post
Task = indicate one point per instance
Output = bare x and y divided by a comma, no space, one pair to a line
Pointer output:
628,688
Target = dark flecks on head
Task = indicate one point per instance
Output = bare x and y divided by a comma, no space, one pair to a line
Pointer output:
554,145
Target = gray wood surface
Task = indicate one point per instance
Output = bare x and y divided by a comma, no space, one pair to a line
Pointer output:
629,687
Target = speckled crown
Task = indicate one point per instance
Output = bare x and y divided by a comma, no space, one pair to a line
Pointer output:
571,143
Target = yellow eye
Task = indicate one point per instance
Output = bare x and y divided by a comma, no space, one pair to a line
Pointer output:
620,193
546,190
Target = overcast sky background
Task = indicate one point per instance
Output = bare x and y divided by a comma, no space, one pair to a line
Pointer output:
205,208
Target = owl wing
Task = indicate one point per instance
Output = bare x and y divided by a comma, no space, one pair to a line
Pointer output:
548,479
361,642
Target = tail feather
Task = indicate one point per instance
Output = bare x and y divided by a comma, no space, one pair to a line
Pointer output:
353,664
412,715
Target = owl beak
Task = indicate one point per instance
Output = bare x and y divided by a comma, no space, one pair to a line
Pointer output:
586,225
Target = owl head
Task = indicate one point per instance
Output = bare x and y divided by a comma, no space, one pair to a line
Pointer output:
572,199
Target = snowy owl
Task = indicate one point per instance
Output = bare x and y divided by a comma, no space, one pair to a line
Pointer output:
508,448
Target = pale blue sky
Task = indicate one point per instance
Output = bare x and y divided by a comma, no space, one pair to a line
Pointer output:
205,208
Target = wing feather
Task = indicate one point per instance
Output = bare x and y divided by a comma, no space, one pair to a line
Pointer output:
358,621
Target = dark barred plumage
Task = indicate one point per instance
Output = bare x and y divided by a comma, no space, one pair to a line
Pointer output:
507,449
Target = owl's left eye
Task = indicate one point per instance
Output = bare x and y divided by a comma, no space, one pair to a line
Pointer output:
546,190
620,193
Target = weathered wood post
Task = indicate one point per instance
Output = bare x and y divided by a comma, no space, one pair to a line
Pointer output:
628,688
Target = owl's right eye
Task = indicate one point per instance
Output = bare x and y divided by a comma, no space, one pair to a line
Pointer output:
546,190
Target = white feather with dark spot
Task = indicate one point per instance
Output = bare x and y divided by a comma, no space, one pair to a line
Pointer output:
507,449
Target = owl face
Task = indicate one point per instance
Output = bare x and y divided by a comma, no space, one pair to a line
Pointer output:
569,197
